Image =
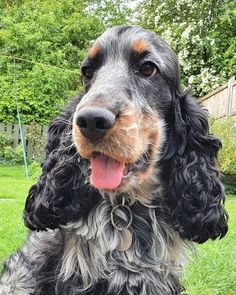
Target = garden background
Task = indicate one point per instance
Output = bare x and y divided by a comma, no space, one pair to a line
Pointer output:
48,41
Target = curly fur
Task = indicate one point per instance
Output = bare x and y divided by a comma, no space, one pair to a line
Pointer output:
72,245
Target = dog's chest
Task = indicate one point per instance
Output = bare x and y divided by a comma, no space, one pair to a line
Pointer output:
91,249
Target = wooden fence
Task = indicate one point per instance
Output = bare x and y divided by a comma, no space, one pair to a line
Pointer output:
31,140
221,102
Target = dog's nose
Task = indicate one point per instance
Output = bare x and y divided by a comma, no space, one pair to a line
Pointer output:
94,122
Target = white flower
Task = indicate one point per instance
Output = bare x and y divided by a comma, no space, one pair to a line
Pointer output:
191,79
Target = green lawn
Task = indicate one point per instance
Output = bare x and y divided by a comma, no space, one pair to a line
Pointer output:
13,191
212,272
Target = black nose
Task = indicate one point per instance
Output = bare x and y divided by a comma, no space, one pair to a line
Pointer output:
94,122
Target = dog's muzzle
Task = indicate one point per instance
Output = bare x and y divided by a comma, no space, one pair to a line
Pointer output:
94,124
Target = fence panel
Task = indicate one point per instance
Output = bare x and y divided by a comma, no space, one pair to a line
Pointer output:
15,135
221,102
233,102
14,131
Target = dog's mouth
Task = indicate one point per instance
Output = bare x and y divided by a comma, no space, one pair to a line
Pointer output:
109,174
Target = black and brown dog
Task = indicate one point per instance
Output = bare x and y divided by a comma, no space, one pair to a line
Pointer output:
129,180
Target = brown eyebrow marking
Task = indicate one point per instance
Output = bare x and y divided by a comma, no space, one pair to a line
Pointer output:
140,45
94,51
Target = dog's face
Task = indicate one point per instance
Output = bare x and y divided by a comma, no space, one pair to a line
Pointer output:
119,123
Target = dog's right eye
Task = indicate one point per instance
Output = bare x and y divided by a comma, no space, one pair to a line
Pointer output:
88,72
148,69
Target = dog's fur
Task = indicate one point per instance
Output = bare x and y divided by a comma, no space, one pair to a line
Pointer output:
175,199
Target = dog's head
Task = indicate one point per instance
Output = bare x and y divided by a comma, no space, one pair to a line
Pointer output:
132,130
119,123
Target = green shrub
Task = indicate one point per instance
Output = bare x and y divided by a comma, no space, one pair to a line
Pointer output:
5,141
8,154
13,155
35,169
225,129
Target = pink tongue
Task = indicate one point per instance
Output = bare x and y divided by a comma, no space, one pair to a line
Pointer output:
106,172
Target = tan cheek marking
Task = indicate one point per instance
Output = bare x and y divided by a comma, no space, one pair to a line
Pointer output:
147,174
94,51
139,46
150,129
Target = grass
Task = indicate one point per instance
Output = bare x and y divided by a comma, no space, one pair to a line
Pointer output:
212,272
13,191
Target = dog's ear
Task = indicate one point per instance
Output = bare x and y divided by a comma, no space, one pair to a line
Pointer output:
61,194
194,194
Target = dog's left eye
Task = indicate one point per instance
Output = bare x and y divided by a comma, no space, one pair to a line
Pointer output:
88,72
148,69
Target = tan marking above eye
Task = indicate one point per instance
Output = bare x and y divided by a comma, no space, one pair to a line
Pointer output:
140,45
94,51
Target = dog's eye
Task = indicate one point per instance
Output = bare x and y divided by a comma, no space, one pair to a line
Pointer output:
88,72
148,69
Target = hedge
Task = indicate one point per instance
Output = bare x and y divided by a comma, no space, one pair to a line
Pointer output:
225,129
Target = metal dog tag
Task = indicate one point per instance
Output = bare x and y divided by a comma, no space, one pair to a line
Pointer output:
126,241
126,235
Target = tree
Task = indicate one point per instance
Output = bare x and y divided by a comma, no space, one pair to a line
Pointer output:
202,32
112,12
48,32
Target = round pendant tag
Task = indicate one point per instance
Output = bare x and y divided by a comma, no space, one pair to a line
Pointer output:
126,241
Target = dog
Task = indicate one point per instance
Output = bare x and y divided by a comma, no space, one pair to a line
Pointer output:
129,181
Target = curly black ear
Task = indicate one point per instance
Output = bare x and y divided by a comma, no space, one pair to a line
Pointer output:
194,194
61,194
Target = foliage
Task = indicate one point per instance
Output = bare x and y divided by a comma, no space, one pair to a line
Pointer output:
113,12
225,129
202,32
5,140
35,170
230,183
37,139
8,154
13,155
47,32
58,33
